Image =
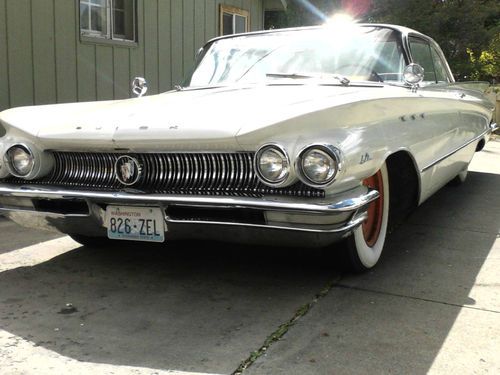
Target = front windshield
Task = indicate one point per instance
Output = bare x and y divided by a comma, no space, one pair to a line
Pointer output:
358,54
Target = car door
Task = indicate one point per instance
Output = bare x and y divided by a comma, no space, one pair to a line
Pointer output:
443,106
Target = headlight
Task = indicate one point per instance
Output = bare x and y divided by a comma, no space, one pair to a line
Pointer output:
272,165
319,165
21,160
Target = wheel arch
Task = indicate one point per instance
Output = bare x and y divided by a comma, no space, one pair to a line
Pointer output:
405,186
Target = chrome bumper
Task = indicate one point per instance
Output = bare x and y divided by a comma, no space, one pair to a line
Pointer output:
331,218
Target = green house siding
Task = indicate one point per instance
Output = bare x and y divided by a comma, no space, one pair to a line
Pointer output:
44,60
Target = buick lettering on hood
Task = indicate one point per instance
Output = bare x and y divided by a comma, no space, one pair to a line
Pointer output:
319,136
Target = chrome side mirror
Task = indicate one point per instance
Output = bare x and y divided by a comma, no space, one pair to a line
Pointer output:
413,74
139,86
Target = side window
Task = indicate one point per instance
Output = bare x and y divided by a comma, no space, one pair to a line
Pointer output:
439,66
108,19
233,20
421,53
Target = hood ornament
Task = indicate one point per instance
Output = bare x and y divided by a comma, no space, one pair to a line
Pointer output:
139,86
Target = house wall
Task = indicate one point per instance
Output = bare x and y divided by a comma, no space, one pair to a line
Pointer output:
43,59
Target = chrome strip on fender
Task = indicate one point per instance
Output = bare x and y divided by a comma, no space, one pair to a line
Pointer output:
454,151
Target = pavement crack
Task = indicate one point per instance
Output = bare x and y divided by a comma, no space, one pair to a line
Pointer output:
413,298
283,328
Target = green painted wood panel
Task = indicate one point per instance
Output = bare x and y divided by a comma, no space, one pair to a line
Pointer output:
151,45
18,17
66,39
176,41
86,56
188,36
121,73
164,45
44,60
44,67
4,62
256,15
104,72
199,24
137,53
211,19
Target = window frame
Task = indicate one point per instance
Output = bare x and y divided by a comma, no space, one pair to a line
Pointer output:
433,47
234,12
90,32
109,35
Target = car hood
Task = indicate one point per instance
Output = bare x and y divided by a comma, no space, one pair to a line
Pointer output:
201,118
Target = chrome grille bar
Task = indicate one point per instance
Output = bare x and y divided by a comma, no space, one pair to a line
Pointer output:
168,173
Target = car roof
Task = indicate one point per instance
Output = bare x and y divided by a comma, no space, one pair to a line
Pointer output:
402,29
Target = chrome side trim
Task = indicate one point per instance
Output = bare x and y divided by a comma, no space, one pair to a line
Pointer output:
348,201
353,223
455,151
494,127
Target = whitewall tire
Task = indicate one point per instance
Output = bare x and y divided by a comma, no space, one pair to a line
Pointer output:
365,245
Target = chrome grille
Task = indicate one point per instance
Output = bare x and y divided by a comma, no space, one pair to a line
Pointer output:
169,173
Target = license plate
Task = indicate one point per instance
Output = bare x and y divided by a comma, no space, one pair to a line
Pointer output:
135,223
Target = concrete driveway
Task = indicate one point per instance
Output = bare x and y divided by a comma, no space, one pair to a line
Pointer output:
431,306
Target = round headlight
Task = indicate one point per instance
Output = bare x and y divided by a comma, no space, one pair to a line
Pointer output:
21,160
319,165
272,163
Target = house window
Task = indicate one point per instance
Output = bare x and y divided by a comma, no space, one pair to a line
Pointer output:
109,19
233,20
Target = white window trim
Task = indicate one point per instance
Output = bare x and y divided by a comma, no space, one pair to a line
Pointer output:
109,35
233,11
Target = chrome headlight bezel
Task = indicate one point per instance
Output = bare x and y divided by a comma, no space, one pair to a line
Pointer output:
9,158
328,151
284,176
42,162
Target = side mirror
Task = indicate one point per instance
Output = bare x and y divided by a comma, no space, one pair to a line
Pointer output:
139,86
413,74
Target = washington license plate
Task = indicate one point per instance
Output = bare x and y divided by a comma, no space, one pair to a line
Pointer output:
135,223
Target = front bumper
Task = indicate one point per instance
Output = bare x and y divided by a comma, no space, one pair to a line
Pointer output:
272,220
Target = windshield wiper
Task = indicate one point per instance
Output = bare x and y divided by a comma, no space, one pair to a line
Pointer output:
344,81
287,75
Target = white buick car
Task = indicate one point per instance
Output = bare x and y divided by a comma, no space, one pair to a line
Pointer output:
298,137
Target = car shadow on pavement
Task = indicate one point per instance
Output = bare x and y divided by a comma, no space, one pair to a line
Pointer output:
13,238
195,306
188,306
431,304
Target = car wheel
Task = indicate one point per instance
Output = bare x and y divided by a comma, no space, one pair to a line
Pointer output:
365,245
91,241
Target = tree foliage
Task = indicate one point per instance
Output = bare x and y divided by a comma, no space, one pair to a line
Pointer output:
468,31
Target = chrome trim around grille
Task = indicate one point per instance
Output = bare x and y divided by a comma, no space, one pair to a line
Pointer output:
228,174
